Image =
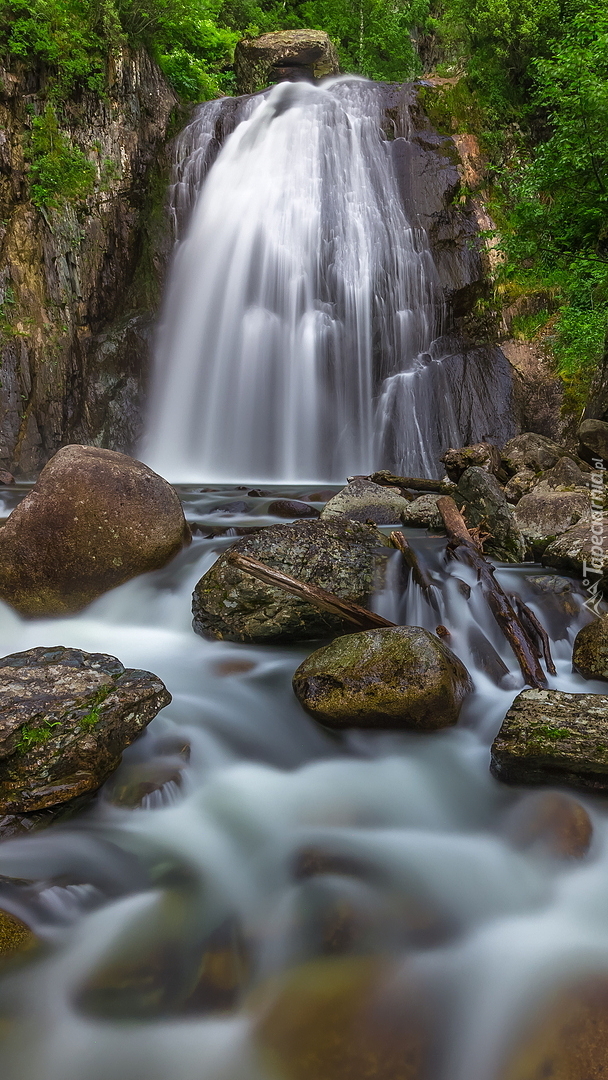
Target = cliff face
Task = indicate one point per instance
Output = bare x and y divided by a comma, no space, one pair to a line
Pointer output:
79,283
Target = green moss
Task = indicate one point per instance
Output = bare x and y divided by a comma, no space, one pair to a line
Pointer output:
60,172
453,109
31,736
553,734
92,716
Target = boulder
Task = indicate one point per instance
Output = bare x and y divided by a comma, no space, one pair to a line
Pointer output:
483,455
551,823
292,508
520,484
560,600
361,500
93,520
582,551
343,556
486,506
547,512
283,54
590,653
65,718
550,737
422,513
15,936
531,451
593,435
401,677
565,474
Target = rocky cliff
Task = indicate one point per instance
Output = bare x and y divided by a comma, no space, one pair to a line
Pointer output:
80,281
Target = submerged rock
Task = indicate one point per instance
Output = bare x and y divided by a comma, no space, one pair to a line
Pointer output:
400,677
293,508
483,455
15,936
422,513
546,513
486,506
550,737
65,718
283,54
551,823
93,520
362,500
338,554
590,653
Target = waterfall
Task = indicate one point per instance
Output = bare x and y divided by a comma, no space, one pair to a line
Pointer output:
301,334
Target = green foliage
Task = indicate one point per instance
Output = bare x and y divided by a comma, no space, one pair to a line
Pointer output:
374,37
60,172
58,33
31,736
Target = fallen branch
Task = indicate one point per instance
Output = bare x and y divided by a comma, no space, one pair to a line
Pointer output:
413,483
535,628
358,616
419,574
462,546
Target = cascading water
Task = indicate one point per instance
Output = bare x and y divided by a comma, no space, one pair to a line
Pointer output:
301,336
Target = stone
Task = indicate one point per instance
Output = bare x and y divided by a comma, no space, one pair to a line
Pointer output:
551,823
590,653
65,718
520,484
6,478
292,508
565,474
487,507
362,500
582,551
483,455
560,600
283,54
546,513
531,451
401,677
593,434
551,737
342,556
15,936
93,520
422,513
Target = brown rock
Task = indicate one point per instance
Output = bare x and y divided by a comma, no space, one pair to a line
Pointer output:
590,653
292,508
283,54
551,822
6,478
593,435
93,520
15,936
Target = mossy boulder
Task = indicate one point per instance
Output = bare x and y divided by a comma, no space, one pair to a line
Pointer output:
590,653
551,737
94,519
400,677
485,505
545,513
362,500
483,455
531,451
342,556
65,718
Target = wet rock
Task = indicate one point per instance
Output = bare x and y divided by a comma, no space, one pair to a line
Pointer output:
93,520
551,823
546,513
560,601
343,556
283,54
593,435
400,677
520,484
422,513
361,500
486,506
483,455
550,737
15,936
582,551
293,508
65,718
590,653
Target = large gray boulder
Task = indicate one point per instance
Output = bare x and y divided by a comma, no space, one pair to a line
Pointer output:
400,677
485,505
65,718
550,737
93,520
422,513
582,551
343,556
283,54
548,512
531,451
362,500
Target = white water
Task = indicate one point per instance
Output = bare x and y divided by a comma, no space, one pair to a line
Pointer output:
421,816
302,312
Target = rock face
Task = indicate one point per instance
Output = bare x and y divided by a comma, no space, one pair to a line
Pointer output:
486,506
483,455
283,54
550,737
590,653
401,677
65,718
581,551
93,520
80,283
593,435
340,555
546,513
361,500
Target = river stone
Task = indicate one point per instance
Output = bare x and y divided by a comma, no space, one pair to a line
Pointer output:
590,653
521,483
546,513
531,451
581,552
15,936
484,455
422,513
292,508
283,54
400,677
339,555
486,506
593,435
361,500
551,823
65,718
94,519
550,737
565,474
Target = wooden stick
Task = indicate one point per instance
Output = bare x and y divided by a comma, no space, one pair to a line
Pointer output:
535,627
462,546
358,616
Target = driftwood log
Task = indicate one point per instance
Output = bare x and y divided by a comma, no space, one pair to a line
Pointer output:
411,483
523,642
419,574
356,615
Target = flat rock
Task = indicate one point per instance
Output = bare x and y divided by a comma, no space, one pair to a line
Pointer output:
342,556
486,506
362,500
590,653
65,718
546,513
400,677
93,520
422,513
550,737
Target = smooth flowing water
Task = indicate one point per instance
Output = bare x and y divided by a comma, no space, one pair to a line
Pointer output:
302,328
270,845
